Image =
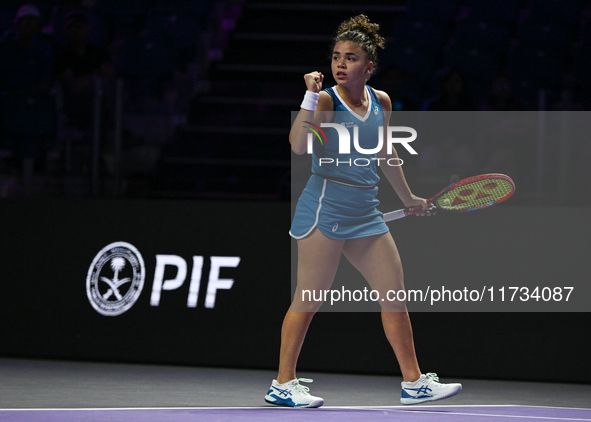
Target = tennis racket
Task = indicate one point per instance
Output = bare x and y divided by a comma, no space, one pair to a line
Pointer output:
471,194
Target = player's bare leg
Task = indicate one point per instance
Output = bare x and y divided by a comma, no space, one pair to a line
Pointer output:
377,258
318,260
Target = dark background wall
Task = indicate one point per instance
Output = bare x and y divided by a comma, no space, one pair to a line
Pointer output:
207,88
205,117
48,246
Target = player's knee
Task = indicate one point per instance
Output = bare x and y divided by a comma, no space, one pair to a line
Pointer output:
307,301
393,306
309,307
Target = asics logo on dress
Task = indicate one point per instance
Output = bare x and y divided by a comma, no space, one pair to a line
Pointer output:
335,227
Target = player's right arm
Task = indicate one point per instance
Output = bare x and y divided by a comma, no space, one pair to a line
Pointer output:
298,136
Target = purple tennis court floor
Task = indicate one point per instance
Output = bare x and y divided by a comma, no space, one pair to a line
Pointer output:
336,414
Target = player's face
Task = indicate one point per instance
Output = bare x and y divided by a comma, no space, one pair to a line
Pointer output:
349,64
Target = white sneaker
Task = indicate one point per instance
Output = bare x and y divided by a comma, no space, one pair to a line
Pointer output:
292,394
427,388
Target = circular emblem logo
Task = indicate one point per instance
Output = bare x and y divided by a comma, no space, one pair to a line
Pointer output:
115,279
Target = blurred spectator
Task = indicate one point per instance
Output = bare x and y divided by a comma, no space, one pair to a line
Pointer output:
568,100
506,142
454,94
501,96
26,63
449,146
78,66
26,67
448,153
391,80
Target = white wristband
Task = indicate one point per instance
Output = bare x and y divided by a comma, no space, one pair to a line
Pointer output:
310,101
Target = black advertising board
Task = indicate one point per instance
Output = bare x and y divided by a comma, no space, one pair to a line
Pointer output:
215,284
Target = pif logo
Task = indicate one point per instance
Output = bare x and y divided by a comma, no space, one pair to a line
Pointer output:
116,277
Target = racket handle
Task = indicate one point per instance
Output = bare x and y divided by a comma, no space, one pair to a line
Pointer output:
413,210
416,209
395,215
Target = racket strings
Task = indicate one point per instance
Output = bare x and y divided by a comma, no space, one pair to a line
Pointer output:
477,194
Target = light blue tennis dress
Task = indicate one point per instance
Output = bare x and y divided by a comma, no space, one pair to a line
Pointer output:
341,199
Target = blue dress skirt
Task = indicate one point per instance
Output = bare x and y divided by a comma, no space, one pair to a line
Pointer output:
339,211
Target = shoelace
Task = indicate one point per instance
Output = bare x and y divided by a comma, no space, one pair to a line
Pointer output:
302,388
431,376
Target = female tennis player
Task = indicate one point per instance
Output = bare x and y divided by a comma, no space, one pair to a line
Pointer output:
336,214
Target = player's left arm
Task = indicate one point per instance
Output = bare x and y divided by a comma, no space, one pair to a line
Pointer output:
395,174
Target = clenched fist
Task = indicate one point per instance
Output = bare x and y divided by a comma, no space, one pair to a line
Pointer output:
314,81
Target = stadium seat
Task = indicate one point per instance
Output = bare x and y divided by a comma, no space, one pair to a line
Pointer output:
582,69
535,68
415,62
564,11
422,34
96,22
197,9
6,20
586,36
30,123
144,57
13,5
179,30
443,11
124,8
500,11
476,62
548,34
480,34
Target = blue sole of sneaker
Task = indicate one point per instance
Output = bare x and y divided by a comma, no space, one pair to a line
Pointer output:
314,404
418,401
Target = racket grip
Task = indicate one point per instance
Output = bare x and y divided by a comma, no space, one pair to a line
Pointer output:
413,210
394,215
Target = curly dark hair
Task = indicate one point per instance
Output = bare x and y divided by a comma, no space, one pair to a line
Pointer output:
359,29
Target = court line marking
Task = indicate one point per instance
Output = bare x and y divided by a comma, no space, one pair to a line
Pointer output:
554,418
399,408
252,407
411,407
